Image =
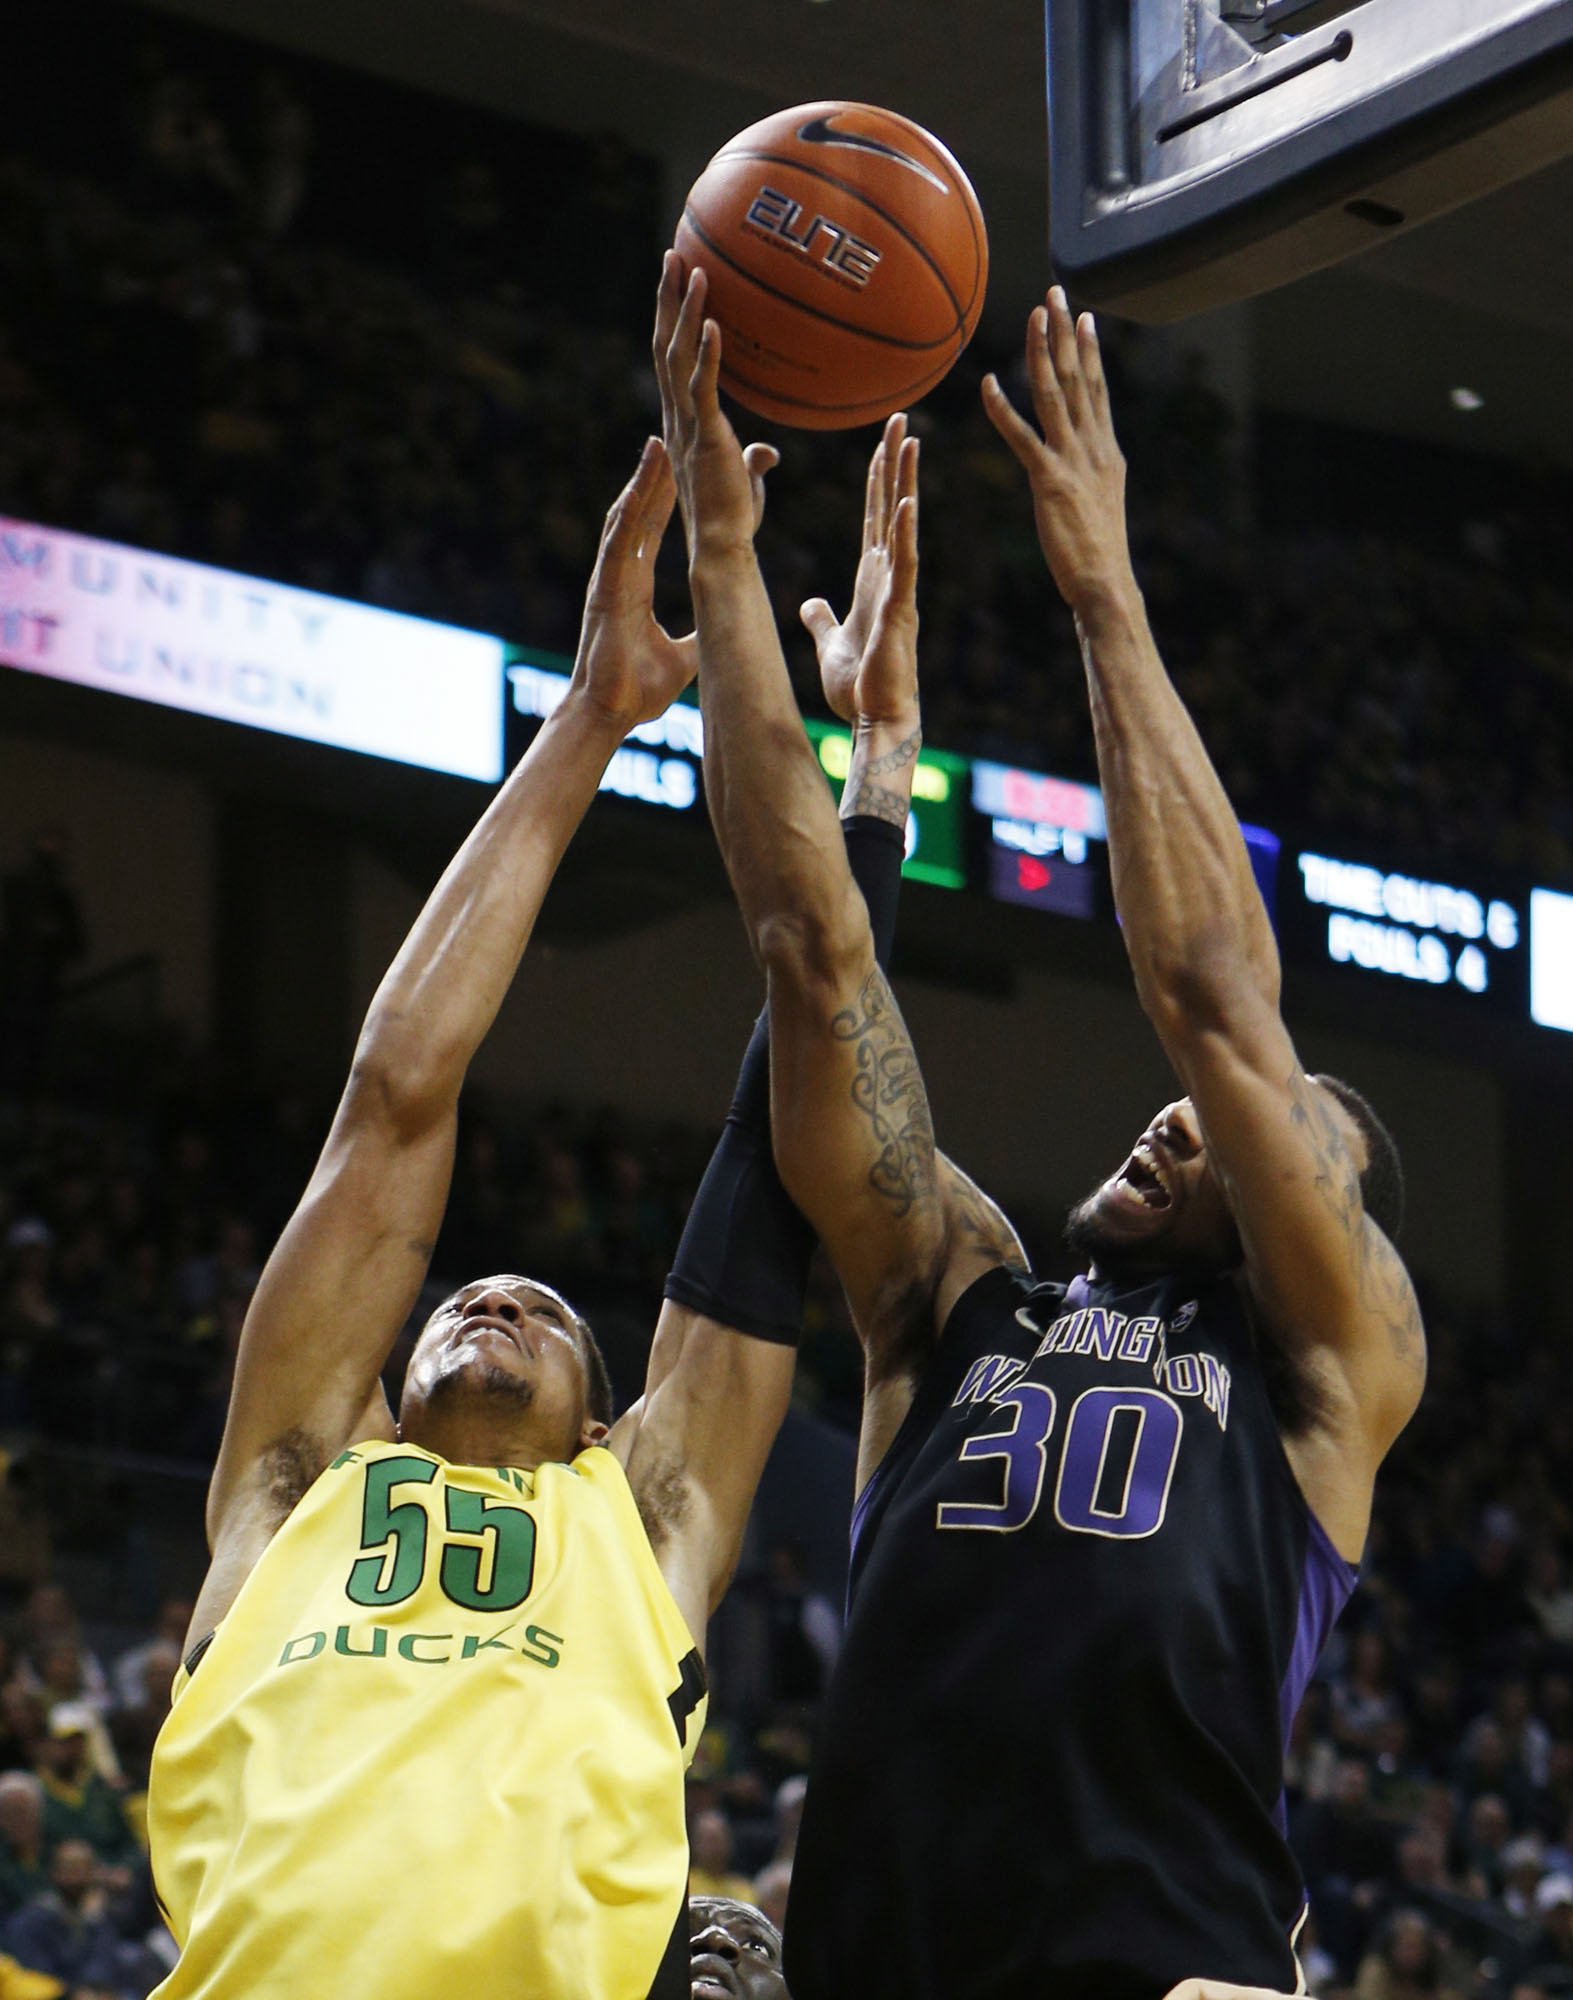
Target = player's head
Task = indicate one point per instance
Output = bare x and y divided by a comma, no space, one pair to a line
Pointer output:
734,1951
1166,1209
506,1359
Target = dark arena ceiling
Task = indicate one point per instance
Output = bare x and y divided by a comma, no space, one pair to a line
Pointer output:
1480,299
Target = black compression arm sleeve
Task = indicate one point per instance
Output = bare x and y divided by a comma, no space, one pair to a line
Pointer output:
745,1250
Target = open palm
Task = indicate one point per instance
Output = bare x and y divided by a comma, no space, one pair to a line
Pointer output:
868,661
627,661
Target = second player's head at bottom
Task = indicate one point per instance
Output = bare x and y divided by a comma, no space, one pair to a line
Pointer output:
734,1951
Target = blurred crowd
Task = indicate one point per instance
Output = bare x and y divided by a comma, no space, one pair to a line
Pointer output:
317,328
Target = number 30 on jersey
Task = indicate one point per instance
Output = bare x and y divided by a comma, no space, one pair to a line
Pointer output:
1117,1458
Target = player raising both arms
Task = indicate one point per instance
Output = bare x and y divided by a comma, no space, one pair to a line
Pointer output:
1102,1532
445,1673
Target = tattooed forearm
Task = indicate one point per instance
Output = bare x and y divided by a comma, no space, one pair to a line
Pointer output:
1382,1283
896,759
888,1089
874,802
884,802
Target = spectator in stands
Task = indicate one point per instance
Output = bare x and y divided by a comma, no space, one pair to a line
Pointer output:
41,935
788,1810
1523,1865
131,1669
1362,1698
26,1545
54,1637
79,1804
1487,1827
1549,1594
1547,1959
771,1888
1525,1737
64,1930
710,1870
21,1840
805,1630
1407,1963
1486,1763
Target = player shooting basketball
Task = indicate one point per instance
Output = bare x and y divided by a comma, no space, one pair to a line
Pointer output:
1102,1532
444,1674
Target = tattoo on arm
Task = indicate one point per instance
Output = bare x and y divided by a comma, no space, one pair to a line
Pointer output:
880,801
888,1090
974,1217
1382,1283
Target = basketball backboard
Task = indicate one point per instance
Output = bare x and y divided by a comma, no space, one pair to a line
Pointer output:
1205,150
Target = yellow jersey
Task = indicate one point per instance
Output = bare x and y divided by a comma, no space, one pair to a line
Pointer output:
436,1747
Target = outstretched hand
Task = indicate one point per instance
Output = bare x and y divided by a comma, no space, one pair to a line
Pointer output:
720,487
628,664
868,662
1076,467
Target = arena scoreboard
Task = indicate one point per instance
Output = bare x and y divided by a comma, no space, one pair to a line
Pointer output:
356,677
1045,843
661,765
936,825
1373,922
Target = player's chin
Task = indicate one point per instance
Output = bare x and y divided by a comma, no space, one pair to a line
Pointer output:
479,1375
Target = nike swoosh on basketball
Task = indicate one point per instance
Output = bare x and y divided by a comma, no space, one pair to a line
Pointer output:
820,132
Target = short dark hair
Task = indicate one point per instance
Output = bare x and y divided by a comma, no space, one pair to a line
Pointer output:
599,1400
1382,1182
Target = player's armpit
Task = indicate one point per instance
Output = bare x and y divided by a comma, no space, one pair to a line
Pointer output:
695,1445
1325,1279
979,1237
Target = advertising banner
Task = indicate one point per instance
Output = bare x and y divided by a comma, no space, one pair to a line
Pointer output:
241,650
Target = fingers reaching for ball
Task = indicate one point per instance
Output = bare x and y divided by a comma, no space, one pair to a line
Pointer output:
1072,460
868,661
719,488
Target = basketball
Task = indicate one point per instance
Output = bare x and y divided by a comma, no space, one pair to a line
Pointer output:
847,261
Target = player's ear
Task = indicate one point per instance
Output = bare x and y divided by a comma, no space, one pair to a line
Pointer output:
593,1432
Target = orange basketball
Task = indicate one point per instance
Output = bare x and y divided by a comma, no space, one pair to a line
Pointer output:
847,262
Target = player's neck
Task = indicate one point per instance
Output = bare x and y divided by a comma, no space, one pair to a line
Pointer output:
482,1437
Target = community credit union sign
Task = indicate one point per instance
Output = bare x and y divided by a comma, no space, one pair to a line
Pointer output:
242,650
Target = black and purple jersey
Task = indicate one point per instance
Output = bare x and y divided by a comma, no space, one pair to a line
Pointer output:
1086,1597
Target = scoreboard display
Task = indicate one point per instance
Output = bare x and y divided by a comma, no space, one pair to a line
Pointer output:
354,677
1046,840
1046,843
936,829
1467,940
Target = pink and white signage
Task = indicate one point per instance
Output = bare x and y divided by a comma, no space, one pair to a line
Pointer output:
241,650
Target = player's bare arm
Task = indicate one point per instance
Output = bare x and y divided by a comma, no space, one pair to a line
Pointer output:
696,1444
852,1132
349,1265
1323,1277
869,673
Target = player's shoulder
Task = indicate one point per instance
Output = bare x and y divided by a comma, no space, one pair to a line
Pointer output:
1001,1293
